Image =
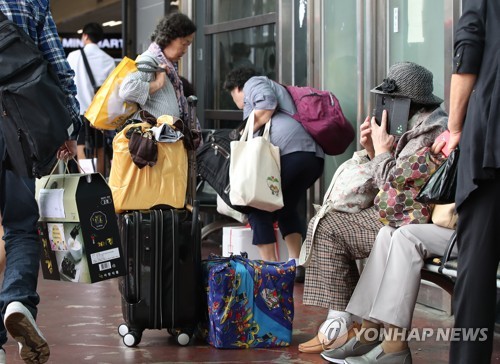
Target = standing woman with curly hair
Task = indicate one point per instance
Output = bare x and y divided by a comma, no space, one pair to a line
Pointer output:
161,93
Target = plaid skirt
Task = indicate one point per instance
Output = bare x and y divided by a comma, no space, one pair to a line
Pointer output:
340,239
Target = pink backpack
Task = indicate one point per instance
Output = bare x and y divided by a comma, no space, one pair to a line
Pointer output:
321,115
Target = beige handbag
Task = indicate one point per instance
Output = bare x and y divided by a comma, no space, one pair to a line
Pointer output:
445,216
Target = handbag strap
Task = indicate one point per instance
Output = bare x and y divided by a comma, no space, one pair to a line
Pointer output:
332,183
89,71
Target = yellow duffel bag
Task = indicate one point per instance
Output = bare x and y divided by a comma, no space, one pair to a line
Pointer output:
165,183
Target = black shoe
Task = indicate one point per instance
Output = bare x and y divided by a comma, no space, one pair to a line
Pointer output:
300,274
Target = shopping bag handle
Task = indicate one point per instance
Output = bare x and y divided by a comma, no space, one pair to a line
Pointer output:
66,169
248,131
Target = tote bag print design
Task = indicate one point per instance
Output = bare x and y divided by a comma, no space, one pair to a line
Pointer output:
254,171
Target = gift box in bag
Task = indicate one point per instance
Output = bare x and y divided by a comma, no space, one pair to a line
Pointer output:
78,228
238,239
250,302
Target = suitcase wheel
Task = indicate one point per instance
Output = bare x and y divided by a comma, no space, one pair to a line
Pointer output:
123,330
132,338
183,338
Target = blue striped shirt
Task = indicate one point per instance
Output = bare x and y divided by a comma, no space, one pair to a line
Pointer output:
35,18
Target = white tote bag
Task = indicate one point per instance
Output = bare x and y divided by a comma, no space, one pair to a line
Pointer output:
254,170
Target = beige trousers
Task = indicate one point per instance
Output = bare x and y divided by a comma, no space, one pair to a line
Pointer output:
387,289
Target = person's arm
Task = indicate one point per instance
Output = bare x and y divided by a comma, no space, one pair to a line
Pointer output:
261,118
467,59
159,81
460,90
138,86
261,98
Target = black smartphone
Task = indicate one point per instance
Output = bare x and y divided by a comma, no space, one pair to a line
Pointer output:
398,109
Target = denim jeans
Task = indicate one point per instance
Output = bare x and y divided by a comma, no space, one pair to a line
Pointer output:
19,216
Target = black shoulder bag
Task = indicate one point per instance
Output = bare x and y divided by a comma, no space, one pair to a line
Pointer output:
34,118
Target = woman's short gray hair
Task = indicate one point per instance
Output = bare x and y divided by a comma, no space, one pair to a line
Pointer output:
171,27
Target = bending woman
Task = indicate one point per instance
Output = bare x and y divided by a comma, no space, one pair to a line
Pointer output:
301,158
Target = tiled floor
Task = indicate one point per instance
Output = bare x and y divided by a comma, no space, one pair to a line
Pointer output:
80,322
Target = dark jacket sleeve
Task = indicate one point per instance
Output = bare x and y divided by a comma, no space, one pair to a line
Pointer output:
469,37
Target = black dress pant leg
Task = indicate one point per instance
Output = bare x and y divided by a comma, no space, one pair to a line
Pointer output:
478,233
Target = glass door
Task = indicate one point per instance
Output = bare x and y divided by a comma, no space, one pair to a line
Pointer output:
416,33
356,41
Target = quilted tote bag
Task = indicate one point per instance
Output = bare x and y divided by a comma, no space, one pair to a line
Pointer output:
250,302
254,170
395,202
213,159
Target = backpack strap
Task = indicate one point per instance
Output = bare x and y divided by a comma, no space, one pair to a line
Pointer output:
89,71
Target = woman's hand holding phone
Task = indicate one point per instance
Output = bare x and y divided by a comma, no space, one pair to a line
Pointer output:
382,142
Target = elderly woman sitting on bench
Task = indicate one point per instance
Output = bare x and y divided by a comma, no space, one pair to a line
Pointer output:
386,293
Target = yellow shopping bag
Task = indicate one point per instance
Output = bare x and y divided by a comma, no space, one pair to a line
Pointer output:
165,183
108,110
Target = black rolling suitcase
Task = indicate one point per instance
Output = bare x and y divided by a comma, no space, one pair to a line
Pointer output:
162,286
161,289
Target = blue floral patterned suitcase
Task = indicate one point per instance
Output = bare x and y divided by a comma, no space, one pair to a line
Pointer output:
250,302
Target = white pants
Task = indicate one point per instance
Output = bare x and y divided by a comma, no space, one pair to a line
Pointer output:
388,287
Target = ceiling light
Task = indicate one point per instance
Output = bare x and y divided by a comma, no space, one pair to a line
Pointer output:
111,23
79,31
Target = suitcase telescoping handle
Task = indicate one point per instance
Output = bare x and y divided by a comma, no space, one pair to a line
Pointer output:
195,212
192,175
